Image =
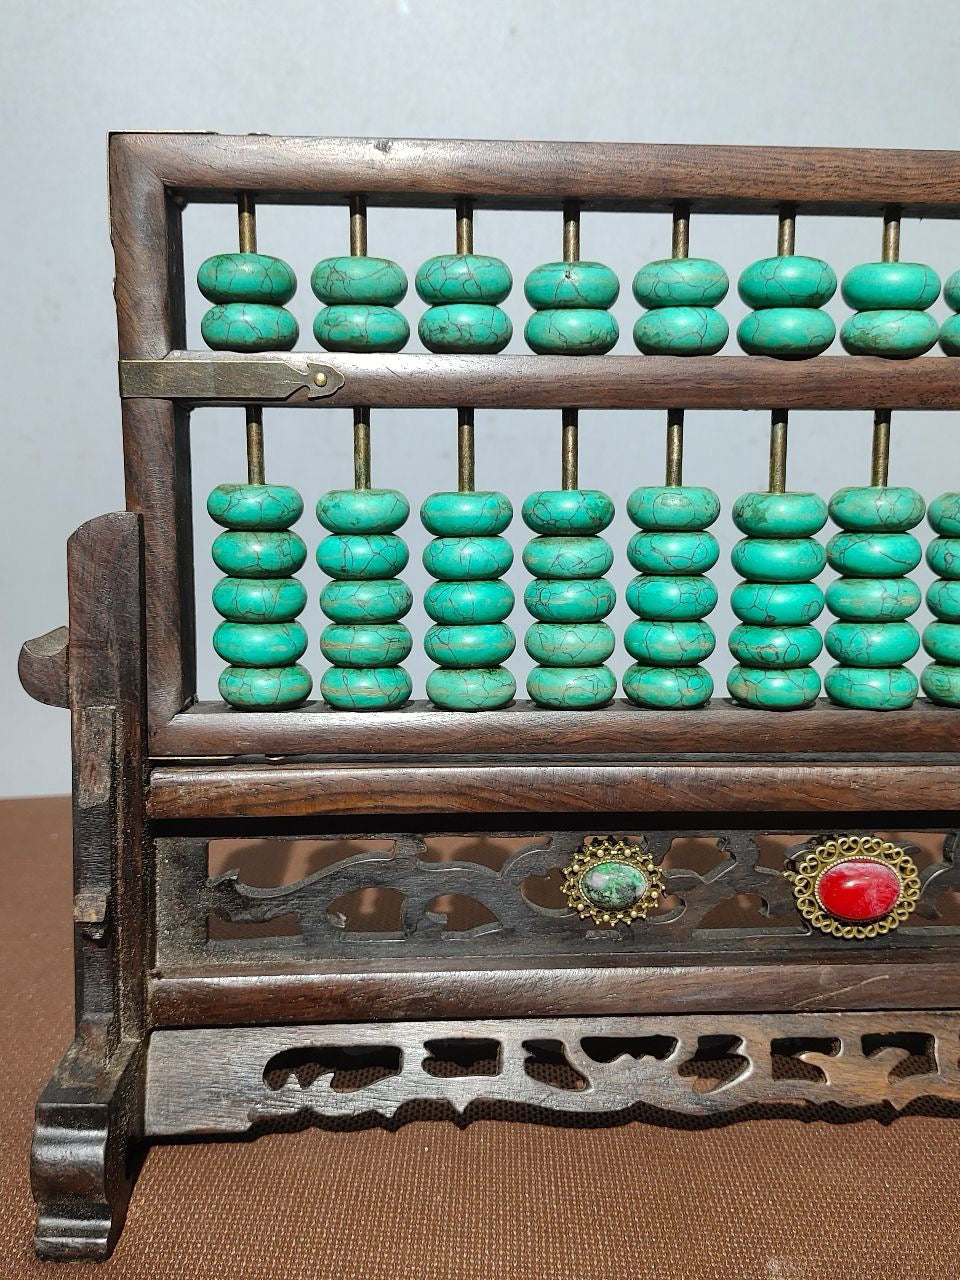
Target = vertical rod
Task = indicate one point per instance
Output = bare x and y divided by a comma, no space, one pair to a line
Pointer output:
466,457
777,480
570,418
880,449
247,227
361,414
679,248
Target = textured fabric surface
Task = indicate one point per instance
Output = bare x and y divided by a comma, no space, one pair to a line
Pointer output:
771,1199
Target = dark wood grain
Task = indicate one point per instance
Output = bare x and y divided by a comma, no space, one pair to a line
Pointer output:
42,667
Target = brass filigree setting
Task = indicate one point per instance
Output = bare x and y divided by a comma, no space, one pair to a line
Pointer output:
806,874
612,881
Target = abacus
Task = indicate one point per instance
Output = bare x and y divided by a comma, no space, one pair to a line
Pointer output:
587,899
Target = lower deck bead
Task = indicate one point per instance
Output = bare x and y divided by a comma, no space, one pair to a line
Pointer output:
473,514
362,510
943,557
567,557
255,506
782,689
775,646
375,600
667,688
564,511
363,645
779,515
874,555
250,327
571,688
465,327
950,336
872,644
468,602
897,334
673,507
871,688
274,644
877,508
259,599
254,554
469,646
681,331
777,604
671,597
669,644
359,327
941,684
792,333
365,689
673,553
569,600
944,514
943,599
476,689
942,641
265,688
582,644
873,599
467,559
778,559
362,555
584,331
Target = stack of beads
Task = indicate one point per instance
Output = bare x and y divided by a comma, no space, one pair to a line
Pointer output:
891,301
670,596
571,301
873,599
361,294
681,295
463,290
249,290
941,639
786,293
774,643
950,329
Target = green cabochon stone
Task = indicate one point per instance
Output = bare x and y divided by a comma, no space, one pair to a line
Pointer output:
466,559
873,599
790,333
559,332
369,281
779,689
944,514
381,644
468,602
681,331
567,511
569,557
671,597
878,286
255,506
463,277
889,333
360,327
943,557
362,510
673,507
570,600
583,644
777,604
681,282
362,555
249,326
667,688
478,513
941,684
246,277
483,645
378,600
943,600
571,285
779,515
259,599
942,641
877,509
265,688
871,688
872,644
465,327
365,688
274,644
873,555
259,554
571,688
792,281
775,646
478,689
673,552
778,559
668,644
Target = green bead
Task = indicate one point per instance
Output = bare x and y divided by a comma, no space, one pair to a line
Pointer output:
681,331
571,688
673,553
468,602
480,689
673,507
466,559
873,599
873,555
463,277
379,600
950,336
571,285
259,600
872,644
265,688
249,326
572,333
458,515
775,646
879,286
778,559
681,282
779,515
465,327
365,645
368,281
567,511
365,688
246,277
469,646
943,599
777,604
362,555
875,509
951,291
360,327
669,644
613,886
941,684
255,506
256,554
671,597
569,557
774,689
791,333
273,644
942,641
944,514
943,557
668,688
889,333
584,644
362,510
791,281
871,688
569,600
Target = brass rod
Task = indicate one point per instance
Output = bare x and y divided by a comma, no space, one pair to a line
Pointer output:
358,227
464,225
466,467
891,236
778,451
786,232
571,231
361,414
247,227
679,248
570,418
880,448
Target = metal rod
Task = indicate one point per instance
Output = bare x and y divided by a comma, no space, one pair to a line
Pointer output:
679,248
247,227
880,448
361,414
466,456
786,232
464,225
570,453
777,479
680,245
891,235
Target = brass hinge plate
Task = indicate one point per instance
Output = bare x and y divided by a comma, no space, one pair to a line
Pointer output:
230,380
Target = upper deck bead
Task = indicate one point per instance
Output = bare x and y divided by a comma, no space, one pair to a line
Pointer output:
673,507
246,277
778,559
273,644
681,282
362,510
877,509
362,555
873,599
779,604
944,514
951,291
943,557
892,333
374,600
479,601
562,511
258,554
372,281
463,277
789,333
881,286
567,557
456,514
265,688
571,332
360,327
671,597
873,555
465,327
779,515
790,281
950,336
681,331
255,506
249,326
673,552
562,285
583,644
465,559
569,599
259,599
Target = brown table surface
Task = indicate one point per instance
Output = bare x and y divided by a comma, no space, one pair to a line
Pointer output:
772,1199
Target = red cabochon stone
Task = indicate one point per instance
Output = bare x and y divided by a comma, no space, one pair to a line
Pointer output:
860,889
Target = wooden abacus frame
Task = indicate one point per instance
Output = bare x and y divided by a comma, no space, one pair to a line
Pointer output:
172,1040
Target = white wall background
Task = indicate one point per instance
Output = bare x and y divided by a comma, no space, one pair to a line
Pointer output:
825,72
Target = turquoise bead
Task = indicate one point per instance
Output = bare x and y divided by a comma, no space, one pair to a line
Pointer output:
569,557
246,277
873,555
465,327
778,559
673,553
874,509
951,291
881,286
671,597
950,336
365,688
941,684
273,644
681,282
265,688
777,604
872,644
889,333
255,506
775,646
249,326
943,600
570,600
468,602
463,277
873,599
466,559
587,332
469,646
364,645
563,285
362,510
942,641
362,555
777,689
669,644
944,514
667,688
360,327
458,515
681,331
377,600
779,515
477,689
571,688
584,644
367,281
567,511
792,281
259,599
791,333
675,508
871,688
256,554
943,557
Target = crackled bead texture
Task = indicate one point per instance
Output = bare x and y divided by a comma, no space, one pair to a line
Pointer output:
786,294
940,679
